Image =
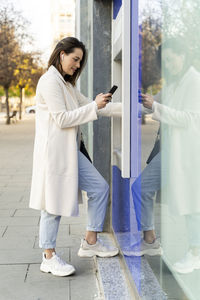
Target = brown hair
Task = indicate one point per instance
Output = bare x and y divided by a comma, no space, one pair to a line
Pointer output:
68,45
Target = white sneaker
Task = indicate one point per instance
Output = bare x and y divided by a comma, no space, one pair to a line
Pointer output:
56,266
188,263
142,248
98,249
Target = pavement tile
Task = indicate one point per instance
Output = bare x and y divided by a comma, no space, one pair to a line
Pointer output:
13,195
14,221
12,274
16,242
46,286
78,287
16,184
77,229
81,264
73,220
38,285
27,212
12,204
20,277
20,178
2,230
21,231
5,178
64,241
6,212
12,256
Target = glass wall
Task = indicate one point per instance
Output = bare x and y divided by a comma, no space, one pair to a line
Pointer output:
169,33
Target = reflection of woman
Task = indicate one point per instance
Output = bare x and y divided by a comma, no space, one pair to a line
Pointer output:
179,114
59,168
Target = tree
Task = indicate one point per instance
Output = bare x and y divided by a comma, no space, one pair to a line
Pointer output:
12,36
27,74
182,19
150,61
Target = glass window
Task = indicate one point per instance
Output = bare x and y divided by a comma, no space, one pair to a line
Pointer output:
169,33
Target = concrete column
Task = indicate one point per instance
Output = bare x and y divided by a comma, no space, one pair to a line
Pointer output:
83,35
101,83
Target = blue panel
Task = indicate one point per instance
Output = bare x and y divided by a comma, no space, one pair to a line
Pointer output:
135,85
120,203
124,221
116,7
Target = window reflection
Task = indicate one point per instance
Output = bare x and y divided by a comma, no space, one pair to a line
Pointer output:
170,75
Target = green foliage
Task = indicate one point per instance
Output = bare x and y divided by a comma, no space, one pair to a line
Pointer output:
19,70
1,91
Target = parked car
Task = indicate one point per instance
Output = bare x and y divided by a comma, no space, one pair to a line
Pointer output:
30,109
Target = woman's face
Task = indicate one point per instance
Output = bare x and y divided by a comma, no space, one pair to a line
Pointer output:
71,62
173,62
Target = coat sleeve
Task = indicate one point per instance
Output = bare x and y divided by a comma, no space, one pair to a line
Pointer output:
157,98
110,110
175,117
53,95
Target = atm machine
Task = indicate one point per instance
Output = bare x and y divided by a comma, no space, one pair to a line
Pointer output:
125,131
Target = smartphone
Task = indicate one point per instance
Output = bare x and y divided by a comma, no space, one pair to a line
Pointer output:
113,89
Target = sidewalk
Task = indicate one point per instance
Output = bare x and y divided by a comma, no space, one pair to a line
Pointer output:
20,256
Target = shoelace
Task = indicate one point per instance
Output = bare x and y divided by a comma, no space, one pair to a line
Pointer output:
62,262
102,244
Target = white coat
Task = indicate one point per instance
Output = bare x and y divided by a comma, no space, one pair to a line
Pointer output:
179,115
60,109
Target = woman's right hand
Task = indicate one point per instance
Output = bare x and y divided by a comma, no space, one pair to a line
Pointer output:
102,99
147,100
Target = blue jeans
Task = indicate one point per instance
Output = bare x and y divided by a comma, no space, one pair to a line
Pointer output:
97,190
144,189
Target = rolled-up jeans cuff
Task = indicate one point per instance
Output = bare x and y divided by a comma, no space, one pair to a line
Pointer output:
47,246
95,229
145,228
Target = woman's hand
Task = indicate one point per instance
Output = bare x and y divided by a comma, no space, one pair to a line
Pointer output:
147,100
102,99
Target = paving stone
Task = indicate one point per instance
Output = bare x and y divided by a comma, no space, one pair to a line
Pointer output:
6,212
84,279
14,195
11,280
12,256
20,178
73,220
27,212
5,178
22,231
64,241
81,264
77,229
14,221
12,204
16,242
37,286
2,230
19,261
45,286
16,184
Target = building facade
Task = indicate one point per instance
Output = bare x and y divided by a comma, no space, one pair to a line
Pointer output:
127,42
62,19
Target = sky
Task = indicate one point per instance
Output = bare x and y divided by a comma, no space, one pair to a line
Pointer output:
37,12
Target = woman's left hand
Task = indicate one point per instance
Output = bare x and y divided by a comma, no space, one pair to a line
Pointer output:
147,100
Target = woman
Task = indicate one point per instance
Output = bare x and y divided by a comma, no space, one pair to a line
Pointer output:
60,170
176,168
